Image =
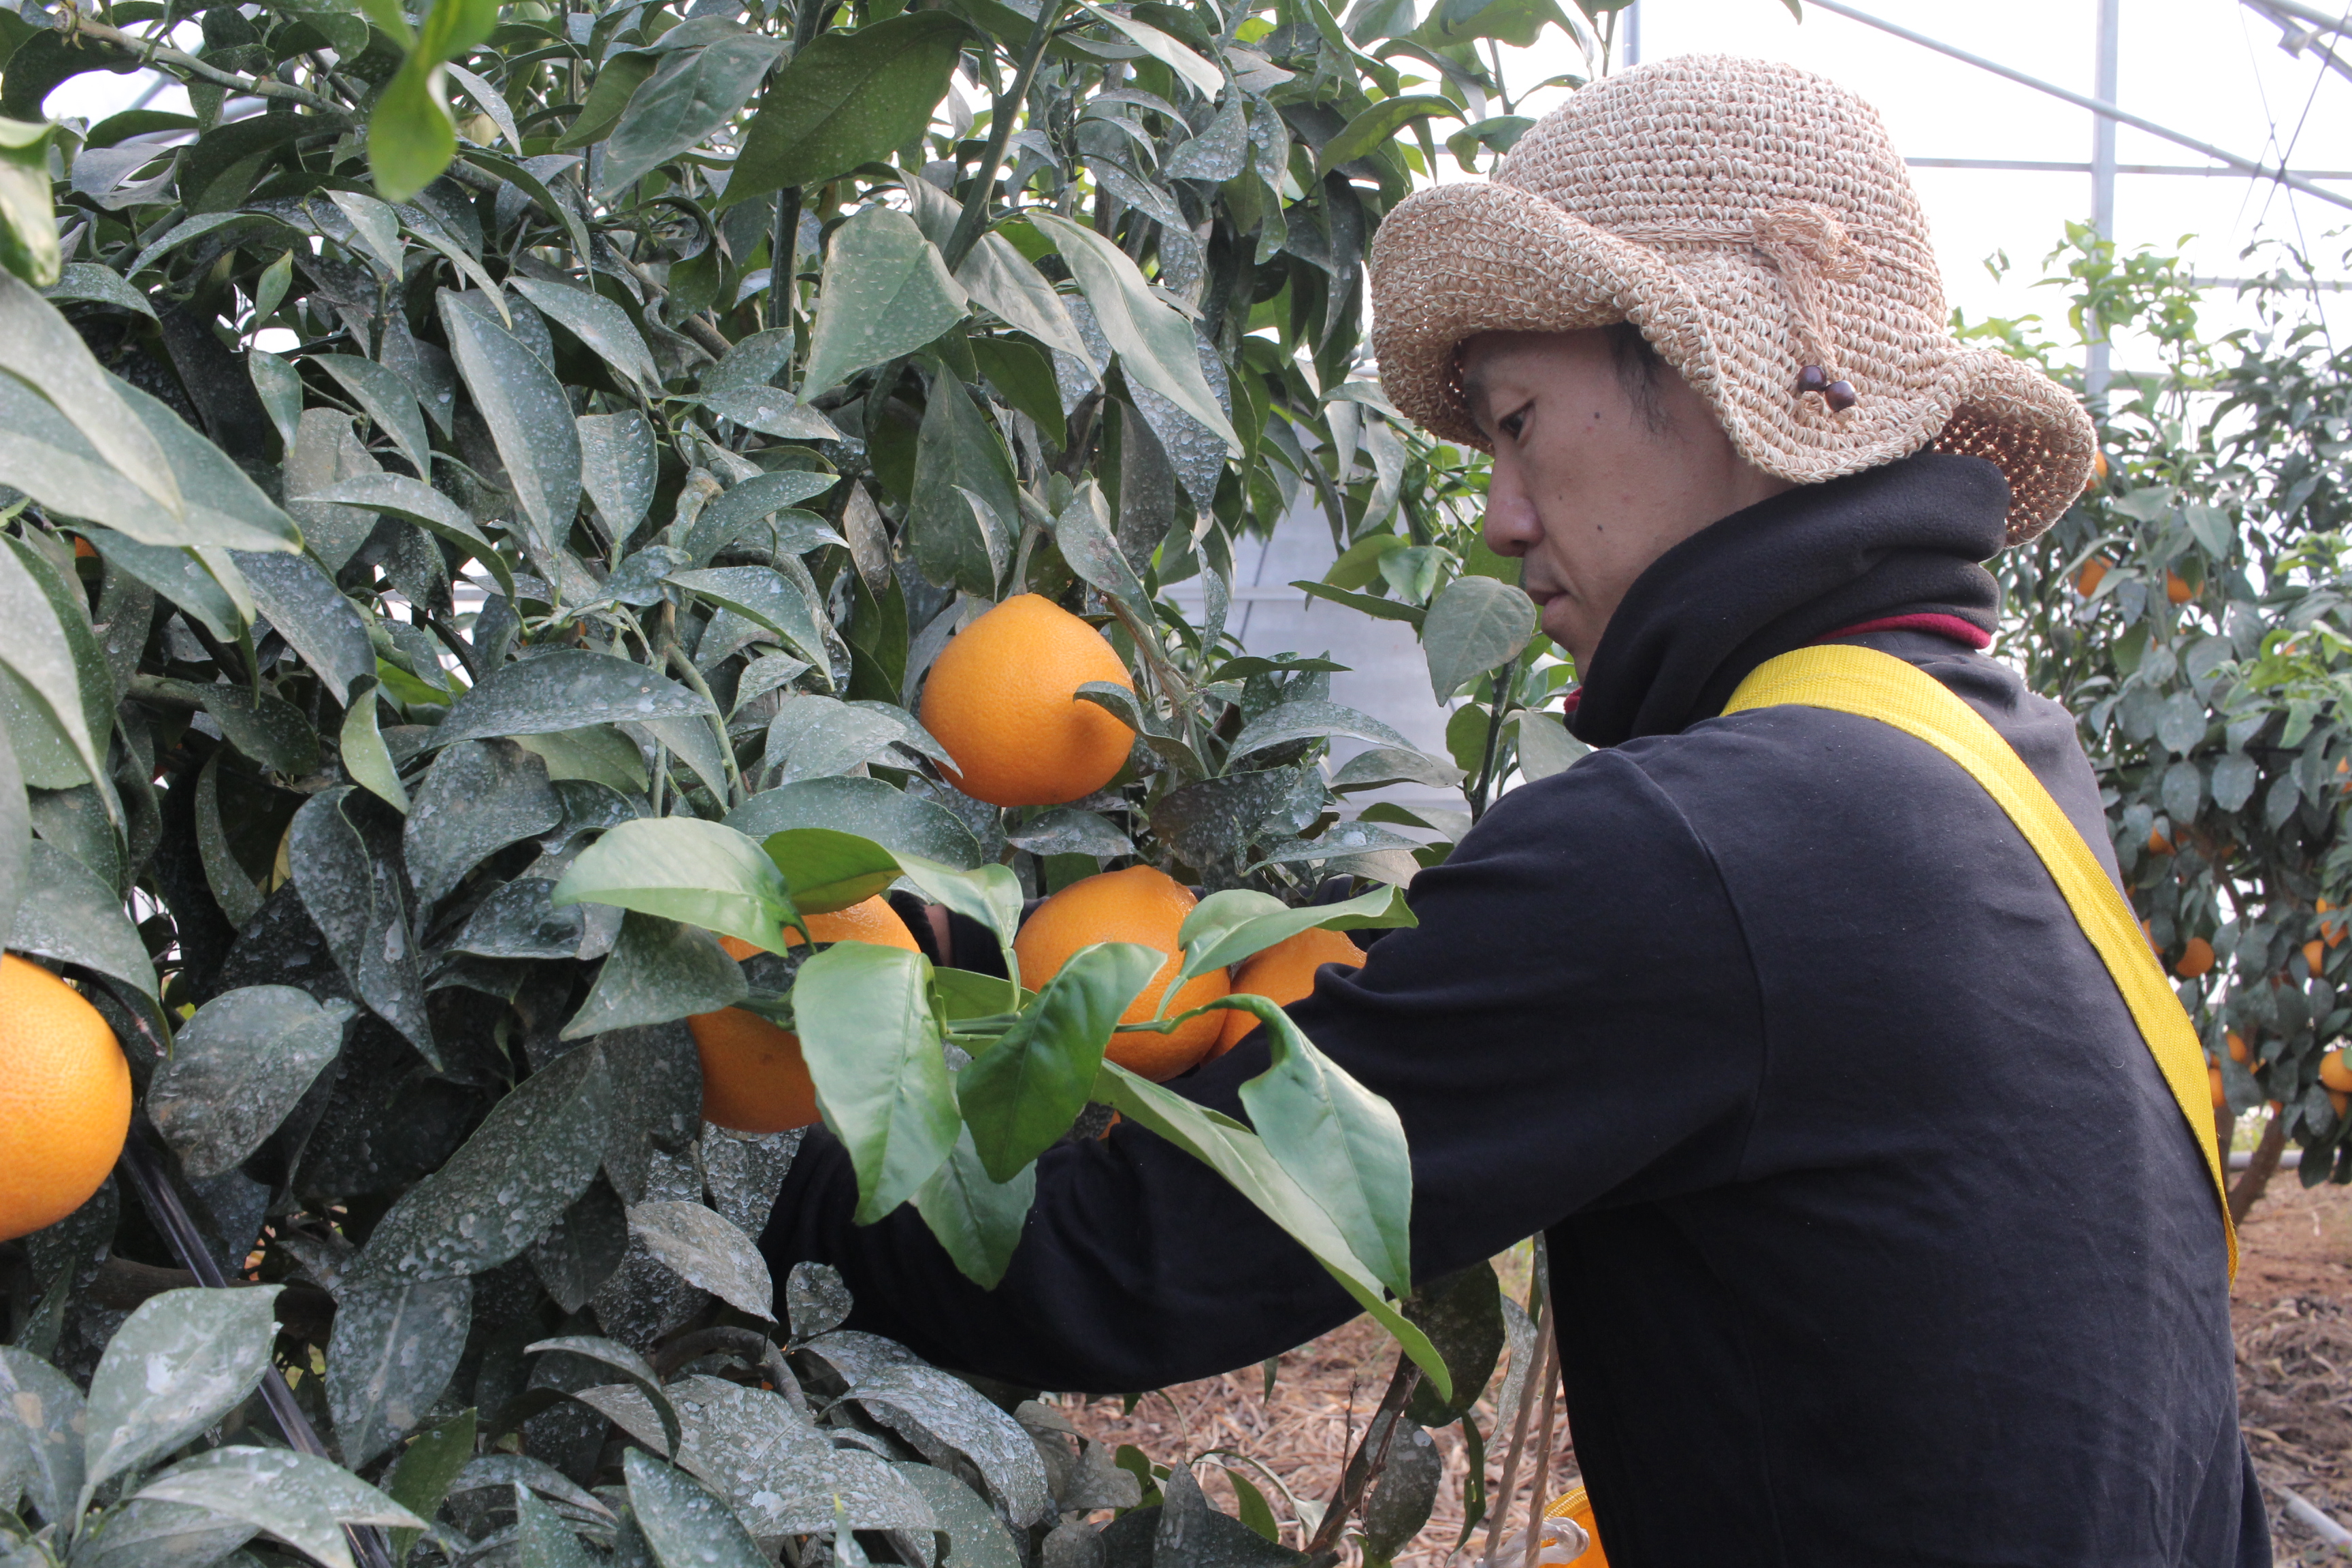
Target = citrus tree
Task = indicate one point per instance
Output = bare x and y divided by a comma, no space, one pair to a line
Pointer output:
568,574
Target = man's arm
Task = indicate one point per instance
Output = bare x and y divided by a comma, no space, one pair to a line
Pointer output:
1573,1023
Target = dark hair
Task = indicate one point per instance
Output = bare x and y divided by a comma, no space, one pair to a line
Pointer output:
1638,366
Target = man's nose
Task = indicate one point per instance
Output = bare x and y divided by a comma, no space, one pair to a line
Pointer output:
1510,523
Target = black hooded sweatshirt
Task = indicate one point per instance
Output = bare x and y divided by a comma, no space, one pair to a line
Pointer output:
1876,1235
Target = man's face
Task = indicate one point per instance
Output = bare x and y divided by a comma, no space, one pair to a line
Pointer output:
1590,486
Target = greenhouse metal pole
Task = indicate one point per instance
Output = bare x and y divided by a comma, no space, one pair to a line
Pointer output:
2292,181
2097,365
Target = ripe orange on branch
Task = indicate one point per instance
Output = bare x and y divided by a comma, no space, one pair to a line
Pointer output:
1285,973
65,1099
1139,905
2094,572
1002,698
2333,1073
754,1079
2176,588
2196,958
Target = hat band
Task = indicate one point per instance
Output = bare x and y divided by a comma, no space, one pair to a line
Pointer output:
1804,245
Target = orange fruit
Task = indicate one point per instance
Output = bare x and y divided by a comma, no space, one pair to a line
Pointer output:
753,1077
2094,572
2176,588
2098,471
2333,1073
1003,699
2314,953
65,1099
2196,959
1285,974
2340,1100
2158,844
1578,1507
1139,905
2237,1044
2220,1096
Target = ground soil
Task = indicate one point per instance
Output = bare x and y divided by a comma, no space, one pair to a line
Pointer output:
2291,1312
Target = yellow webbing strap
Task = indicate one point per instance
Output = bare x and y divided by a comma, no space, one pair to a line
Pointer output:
1861,680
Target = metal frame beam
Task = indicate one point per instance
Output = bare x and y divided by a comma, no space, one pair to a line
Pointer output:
2096,106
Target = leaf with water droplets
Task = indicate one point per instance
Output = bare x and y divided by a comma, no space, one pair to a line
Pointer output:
479,797
530,416
685,1525
568,690
42,1434
659,969
617,467
179,1363
347,874
395,1342
706,1250
145,1534
237,1067
523,1166
883,1373
302,1499
816,1299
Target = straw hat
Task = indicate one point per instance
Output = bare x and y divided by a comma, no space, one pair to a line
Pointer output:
1755,222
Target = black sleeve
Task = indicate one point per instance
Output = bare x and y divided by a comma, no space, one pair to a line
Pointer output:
1575,1022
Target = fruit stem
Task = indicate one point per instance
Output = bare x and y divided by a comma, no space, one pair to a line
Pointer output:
1503,689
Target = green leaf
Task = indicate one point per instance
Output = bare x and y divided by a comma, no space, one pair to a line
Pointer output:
302,1499
88,281
1338,1141
1153,341
618,467
684,1525
410,136
1222,930
1238,1155
567,689
1310,720
38,348
1463,1315
827,869
541,1538
389,401
419,503
885,292
989,894
1474,625
237,1067
1022,1093
504,1185
41,1443
312,615
264,727
1544,745
1024,378
629,1364
703,1250
479,797
849,97
395,1342
179,1363
66,913
1370,605
608,95
1375,127
691,94
1006,284
872,1044
1204,79
978,1220
765,598
659,971
904,824
683,869
29,222
596,321
279,387
347,876
959,451
33,647
421,1478
1083,532
529,415
366,758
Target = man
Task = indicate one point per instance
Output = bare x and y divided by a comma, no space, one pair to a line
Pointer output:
1876,1234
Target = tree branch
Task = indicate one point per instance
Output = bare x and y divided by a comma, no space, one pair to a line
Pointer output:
179,61
974,217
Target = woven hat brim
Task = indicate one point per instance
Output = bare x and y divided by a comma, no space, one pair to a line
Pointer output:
1460,259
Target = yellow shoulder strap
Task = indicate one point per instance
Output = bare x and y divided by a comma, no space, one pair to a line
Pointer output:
1874,685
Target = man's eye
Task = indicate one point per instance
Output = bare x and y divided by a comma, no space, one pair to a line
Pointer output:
1513,423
